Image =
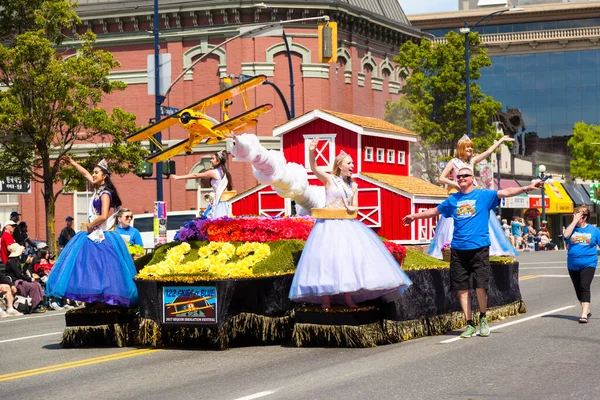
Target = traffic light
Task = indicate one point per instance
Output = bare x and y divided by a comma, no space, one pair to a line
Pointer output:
169,168
327,34
144,170
226,104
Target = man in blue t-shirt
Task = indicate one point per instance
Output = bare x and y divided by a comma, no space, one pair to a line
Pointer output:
470,209
516,231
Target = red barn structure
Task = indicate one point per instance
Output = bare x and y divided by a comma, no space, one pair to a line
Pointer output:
380,151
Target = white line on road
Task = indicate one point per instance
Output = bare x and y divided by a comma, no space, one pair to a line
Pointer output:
543,263
558,276
256,395
17,319
31,337
542,267
493,328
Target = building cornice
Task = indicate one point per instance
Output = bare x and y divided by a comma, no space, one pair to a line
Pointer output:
178,17
531,13
539,41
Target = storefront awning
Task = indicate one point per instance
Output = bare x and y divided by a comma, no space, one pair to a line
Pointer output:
578,194
527,183
505,183
560,202
520,201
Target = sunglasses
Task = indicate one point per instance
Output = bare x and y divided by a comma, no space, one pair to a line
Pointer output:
128,216
463,176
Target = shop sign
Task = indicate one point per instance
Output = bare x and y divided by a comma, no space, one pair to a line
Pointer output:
536,202
14,185
189,305
532,213
516,202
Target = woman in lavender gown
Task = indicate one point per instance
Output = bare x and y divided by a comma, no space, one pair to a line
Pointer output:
343,260
95,266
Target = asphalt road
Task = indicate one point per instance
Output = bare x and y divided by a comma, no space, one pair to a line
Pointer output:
543,354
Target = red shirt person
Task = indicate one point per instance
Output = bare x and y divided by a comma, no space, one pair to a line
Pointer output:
6,240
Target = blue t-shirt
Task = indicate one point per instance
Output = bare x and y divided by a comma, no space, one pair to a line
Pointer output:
130,235
515,228
471,213
582,251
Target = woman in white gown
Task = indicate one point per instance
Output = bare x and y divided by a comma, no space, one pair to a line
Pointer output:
220,180
343,260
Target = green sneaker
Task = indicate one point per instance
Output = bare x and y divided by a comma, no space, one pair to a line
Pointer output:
484,327
469,331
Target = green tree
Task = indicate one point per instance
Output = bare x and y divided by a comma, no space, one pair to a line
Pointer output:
51,104
435,97
585,150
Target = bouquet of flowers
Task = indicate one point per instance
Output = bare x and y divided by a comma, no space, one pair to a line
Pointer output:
246,229
397,250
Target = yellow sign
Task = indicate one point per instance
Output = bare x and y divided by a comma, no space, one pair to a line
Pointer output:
560,202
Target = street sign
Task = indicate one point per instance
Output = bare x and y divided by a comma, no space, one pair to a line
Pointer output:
164,63
14,185
166,111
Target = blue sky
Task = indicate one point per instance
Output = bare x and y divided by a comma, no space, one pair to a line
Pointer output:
428,6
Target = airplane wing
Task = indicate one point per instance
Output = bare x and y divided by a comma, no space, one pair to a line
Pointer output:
242,119
229,92
153,129
169,152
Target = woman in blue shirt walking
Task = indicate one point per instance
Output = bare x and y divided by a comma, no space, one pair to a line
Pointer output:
582,257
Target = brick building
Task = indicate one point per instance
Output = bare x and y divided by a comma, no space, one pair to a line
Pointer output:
362,80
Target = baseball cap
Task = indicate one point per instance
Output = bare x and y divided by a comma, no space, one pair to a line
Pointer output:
14,214
10,222
69,218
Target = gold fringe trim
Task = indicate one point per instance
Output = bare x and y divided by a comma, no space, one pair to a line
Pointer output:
150,333
242,329
338,335
120,335
397,331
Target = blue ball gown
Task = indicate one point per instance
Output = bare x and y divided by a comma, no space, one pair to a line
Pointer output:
95,267
345,256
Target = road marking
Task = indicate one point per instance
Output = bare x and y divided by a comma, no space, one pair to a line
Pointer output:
256,395
31,337
543,263
493,328
526,277
19,318
76,364
558,276
542,267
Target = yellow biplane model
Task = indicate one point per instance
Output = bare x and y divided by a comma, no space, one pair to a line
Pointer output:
201,127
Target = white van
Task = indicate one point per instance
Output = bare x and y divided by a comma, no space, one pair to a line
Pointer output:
175,219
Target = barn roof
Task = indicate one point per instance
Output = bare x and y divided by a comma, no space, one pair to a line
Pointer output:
362,125
409,184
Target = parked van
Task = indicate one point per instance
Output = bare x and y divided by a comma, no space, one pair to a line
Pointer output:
175,219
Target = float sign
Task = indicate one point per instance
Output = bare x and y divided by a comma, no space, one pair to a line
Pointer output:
189,305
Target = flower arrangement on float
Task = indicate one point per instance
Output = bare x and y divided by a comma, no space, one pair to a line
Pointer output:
240,247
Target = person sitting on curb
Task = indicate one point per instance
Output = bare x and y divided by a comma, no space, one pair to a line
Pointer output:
470,244
9,293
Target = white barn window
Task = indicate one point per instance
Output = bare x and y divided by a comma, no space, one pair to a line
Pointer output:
401,157
368,154
380,155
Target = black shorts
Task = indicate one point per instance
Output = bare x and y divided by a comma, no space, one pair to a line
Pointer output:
465,264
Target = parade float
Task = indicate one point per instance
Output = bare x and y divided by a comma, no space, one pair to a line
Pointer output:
225,282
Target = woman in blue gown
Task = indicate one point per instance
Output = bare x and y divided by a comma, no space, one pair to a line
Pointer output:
343,260
465,158
95,266
220,180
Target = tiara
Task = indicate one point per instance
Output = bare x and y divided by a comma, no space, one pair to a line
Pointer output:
104,165
464,138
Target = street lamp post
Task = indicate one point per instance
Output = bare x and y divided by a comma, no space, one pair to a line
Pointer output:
289,57
498,159
158,98
544,177
466,30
